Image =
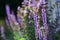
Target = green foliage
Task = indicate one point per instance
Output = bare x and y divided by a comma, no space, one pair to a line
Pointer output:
22,39
9,34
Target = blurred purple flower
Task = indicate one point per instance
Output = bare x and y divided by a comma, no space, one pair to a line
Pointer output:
7,10
44,23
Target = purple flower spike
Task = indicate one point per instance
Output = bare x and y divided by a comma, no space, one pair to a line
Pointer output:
7,10
13,16
44,23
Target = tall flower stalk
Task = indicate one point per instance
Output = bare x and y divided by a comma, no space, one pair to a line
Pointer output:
36,27
44,18
13,23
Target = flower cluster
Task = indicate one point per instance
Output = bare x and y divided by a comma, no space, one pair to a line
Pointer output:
30,9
